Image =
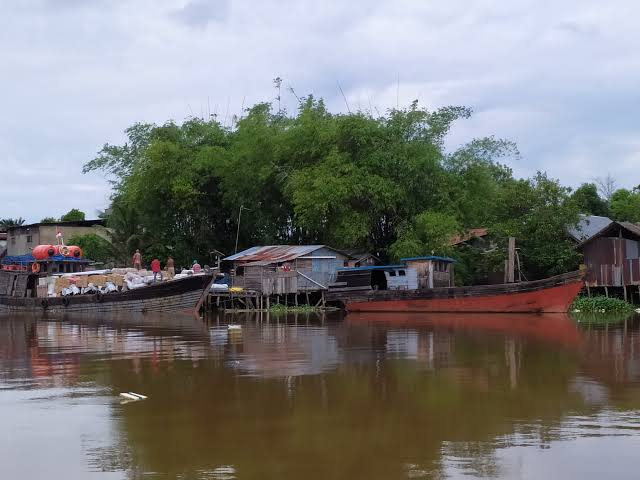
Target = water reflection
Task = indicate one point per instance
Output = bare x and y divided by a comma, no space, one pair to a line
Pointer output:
368,396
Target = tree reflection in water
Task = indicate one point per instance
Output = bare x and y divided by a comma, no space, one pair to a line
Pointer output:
365,397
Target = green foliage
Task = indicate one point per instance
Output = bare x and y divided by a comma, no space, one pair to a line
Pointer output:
625,205
6,223
600,310
94,247
429,233
588,201
73,215
381,183
537,213
601,304
280,309
49,220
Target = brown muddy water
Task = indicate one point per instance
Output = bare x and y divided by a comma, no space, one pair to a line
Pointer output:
364,397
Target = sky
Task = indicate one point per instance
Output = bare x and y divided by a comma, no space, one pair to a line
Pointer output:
558,78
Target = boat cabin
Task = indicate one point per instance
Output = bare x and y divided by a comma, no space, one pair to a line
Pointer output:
19,274
382,277
433,271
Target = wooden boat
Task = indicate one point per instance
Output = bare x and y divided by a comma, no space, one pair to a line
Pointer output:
551,295
185,294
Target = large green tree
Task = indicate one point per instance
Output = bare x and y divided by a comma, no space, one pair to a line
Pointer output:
73,215
588,201
383,183
625,205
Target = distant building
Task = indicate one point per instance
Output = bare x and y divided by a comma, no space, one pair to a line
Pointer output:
361,259
22,239
283,269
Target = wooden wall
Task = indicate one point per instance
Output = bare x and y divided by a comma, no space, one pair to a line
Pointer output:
612,262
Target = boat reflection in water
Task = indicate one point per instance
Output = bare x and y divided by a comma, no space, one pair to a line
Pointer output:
370,396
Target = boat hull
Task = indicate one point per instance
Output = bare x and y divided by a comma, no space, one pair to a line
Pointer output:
177,295
553,295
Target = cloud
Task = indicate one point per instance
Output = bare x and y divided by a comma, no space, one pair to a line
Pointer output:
198,13
558,78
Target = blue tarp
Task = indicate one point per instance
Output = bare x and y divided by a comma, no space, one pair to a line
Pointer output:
28,258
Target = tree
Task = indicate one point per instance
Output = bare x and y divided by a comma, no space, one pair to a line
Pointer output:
428,234
625,205
381,183
7,223
537,212
49,220
588,201
94,247
606,186
73,215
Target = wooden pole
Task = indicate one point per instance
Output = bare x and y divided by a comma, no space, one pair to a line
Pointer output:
511,260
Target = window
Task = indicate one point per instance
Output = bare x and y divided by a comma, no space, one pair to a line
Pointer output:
392,273
29,238
402,273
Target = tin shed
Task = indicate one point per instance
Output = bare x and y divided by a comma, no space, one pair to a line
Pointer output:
314,266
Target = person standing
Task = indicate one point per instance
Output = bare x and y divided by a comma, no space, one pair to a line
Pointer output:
137,260
196,267
171,269
155,268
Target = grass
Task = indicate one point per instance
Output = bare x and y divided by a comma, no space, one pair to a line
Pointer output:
279,308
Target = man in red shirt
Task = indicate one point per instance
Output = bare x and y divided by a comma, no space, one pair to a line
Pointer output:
155,268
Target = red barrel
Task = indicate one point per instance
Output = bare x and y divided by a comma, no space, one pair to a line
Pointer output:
75,251
42,252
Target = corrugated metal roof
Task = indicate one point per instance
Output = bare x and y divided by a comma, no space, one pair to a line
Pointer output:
588,226
274,253
632,227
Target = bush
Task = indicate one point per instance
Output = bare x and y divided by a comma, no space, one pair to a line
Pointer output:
600,304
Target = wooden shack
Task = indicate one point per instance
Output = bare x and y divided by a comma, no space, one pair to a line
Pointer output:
612,257
433,271
284,269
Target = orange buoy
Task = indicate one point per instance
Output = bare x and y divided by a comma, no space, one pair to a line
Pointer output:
62,250
35,267
43,252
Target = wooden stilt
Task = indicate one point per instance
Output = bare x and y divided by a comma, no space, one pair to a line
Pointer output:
606,292
624,290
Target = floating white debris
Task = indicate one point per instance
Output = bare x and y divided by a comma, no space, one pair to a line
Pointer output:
234,327
637,310
133,396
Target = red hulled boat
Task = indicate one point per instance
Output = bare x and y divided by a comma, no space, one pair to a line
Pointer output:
550,295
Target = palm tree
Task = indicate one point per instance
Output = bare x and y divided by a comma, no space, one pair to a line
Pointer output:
7,223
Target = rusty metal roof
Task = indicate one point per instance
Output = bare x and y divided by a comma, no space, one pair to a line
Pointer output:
274,253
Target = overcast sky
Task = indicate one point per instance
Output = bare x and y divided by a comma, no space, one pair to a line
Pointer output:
561,79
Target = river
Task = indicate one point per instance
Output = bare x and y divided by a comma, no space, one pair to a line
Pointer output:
309,397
